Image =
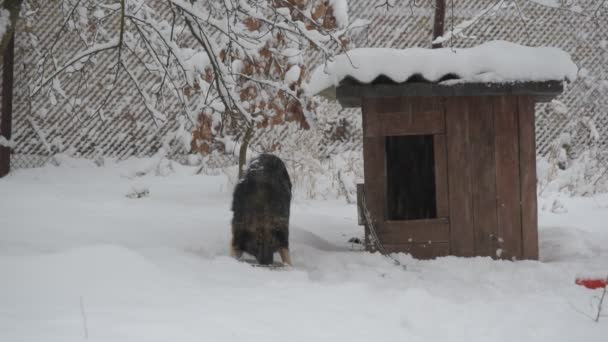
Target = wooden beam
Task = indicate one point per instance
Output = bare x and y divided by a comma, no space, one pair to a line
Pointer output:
407,122
507,177
420,250
415,231
483,174
441,176
350,92
457,116
374,187
527,174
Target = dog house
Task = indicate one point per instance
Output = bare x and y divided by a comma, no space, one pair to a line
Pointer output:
450,164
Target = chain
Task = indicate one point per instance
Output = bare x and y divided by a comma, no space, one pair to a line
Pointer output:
375,241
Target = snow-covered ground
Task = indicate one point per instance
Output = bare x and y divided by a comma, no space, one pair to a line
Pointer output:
80,260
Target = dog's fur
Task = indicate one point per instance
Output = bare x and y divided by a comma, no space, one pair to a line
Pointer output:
260,206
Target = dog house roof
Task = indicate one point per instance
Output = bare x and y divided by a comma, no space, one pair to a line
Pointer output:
496,67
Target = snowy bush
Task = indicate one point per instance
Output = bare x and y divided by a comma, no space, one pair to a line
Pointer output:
583,175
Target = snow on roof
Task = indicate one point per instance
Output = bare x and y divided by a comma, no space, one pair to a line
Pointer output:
493,62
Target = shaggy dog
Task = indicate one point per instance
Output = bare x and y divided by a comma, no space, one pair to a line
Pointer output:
260,206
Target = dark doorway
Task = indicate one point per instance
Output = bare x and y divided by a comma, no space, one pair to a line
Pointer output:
410,178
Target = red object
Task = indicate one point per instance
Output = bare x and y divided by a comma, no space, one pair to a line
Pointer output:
592,283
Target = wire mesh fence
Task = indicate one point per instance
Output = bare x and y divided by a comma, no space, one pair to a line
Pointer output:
46,125
581,31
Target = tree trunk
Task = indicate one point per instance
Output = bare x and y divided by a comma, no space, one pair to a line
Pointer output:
7,104
439,22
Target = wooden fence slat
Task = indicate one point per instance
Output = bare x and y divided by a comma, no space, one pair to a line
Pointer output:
527,171
507,177
462,240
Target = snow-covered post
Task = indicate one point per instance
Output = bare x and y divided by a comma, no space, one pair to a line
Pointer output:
7,105
438,22
9,12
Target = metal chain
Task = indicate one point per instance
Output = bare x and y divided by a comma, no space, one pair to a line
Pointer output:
375,241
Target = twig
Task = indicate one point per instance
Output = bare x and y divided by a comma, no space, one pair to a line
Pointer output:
599,305
83,315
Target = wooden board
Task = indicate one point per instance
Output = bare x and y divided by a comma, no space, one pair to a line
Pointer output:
483,176
350,94
403,116
420,250
404,104
415,231
404,123
462,239
527,172
507,177
441,176
360,214
374,172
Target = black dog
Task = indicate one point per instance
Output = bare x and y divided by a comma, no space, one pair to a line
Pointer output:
260,206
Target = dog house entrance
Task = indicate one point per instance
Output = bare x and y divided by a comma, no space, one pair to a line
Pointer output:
410,178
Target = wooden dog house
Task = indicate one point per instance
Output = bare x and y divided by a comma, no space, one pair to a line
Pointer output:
450,169
448,144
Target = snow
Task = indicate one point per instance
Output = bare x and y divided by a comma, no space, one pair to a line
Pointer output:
5,21
292,75
6,143
294,56
457,31
495,61
77,256
340,12
197,62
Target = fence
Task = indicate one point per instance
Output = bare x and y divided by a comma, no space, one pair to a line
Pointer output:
46,125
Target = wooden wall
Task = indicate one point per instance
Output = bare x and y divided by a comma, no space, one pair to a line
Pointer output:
485,174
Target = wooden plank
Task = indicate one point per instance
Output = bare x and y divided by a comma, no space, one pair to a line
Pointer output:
405,104
375,182
415,231
420,250
507,177
405,123
462,240
350,93
404,116
483,174
360,215
441,176
374,165
527,173
389,104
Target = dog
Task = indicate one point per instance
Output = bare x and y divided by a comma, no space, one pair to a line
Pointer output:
260,206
